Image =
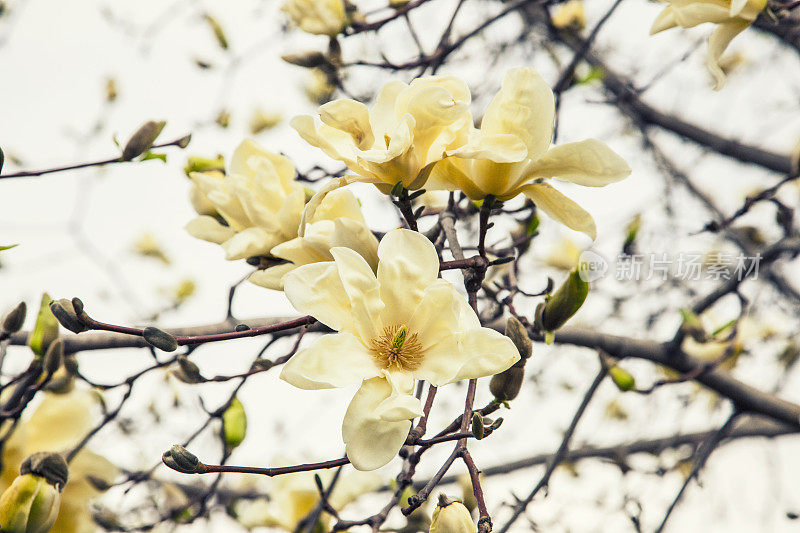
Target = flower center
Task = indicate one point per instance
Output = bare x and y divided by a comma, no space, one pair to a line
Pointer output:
397,349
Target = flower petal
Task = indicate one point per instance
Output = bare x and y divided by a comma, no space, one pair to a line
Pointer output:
370,441
718,41
209,229
247,243
401,404
358,237
363,291
272,277
316,290
560,208
664,21
407,265
349,116
331,361
485,352
590,163
525,107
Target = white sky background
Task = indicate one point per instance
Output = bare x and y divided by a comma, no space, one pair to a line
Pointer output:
54,59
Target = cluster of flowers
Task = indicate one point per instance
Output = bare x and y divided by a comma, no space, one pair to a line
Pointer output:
396,320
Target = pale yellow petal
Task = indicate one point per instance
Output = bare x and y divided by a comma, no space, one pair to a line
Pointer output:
355,235
524,107
317,290
331,361
272,277
718,41
209,229
560,208
407,265
248,243
590,163
363,291
349,116
370,441
664,21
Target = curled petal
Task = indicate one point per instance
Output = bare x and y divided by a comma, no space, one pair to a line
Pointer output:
664,21
370,441
718,41
272,277
247,243
560,208
351,117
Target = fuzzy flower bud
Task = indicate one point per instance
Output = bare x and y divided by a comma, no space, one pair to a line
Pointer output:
160,339
66,314
505,386
13,321
142,140
451,517
54,357
180,459
519,336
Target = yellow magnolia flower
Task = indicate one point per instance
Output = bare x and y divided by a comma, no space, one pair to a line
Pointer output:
337,222
294,496
569,15
322,17
511,154
398,326
565,255
58,424
259,201
400,137
730,16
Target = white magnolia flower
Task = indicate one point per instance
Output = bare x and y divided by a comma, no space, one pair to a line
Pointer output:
294,496
511,154
58,424
395,327
322,17
451,517
730,16
337,222
259,201
400,137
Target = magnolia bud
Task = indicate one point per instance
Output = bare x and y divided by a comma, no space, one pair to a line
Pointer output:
477,426
565,302
180,459
306,59
622,378
45,330
505,386
29,505
188,372
234,423
160,339
519,336
143,139
13,321
53,357
66,314
451,517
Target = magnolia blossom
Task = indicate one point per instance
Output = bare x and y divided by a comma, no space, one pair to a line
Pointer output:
511,154
259,202
569,15
337,222
322,17
398,326
730,16
58,424
294,496
398,139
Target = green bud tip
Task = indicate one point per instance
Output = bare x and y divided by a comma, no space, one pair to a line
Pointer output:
13,321
49,465
160,339
622,378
